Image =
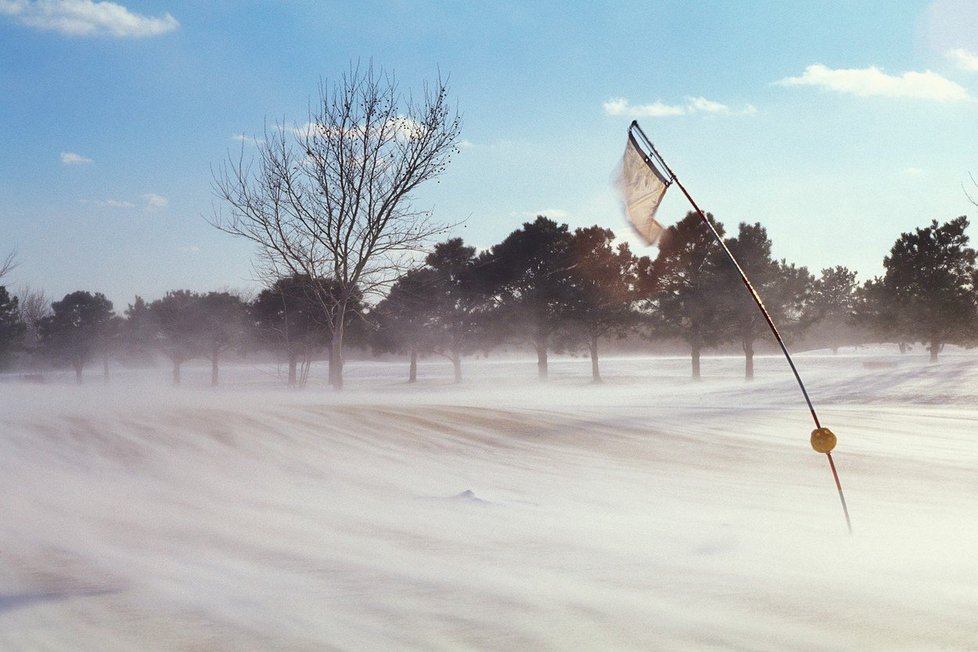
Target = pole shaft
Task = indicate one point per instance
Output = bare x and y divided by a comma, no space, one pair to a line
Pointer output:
842,496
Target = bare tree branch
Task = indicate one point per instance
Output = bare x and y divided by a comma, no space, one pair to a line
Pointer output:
8,264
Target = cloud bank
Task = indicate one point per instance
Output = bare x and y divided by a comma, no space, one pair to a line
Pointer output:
873,82
86,18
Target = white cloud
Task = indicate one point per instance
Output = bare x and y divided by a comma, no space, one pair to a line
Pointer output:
251,140
70,158
964,59
108,203
915,172
707,106
86,18
189,249
621,106
872,81
155,201
703,105
116,203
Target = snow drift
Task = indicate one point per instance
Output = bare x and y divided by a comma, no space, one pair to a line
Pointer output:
650,512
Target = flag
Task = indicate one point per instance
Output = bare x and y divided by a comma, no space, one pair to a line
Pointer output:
642,182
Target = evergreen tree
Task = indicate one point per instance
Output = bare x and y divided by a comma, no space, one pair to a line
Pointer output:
75,328
12,328
602,293
224,318
461,300
531,274
930,282
178,328
290,319
874,312
685,286
783,288
405,321
832,306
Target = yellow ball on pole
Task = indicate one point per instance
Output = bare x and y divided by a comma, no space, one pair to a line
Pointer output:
823,440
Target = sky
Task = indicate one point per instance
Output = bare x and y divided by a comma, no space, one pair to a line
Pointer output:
836,125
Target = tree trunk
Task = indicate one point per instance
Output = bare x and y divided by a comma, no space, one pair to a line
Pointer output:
304,367
593,346
293,362
934,348
413,372
78,371
105,368
336,351
748,346
695,354
176,373
457,365
541,346
214,372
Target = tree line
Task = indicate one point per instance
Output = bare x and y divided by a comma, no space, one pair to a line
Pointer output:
545,287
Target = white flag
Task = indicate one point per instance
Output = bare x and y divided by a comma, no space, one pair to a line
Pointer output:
642,187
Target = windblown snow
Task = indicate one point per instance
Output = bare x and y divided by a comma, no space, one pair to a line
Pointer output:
648,512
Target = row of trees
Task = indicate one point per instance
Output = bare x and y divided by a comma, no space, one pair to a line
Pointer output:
544,286
560,290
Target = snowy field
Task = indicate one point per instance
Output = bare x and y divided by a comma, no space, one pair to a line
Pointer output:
646,513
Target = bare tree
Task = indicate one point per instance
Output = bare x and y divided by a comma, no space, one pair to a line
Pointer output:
332,201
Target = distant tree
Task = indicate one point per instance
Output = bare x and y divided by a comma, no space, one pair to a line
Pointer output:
139,333
928,288
34,307
783,288
687,281
178,328
334,201
406,320
224,326
462,302
531,273
832,306
290,319
111,339
602,292
874,314
73,331
12,327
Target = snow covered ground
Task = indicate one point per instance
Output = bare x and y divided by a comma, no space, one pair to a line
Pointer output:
649,512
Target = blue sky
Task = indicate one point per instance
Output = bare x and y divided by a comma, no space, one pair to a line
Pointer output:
837,125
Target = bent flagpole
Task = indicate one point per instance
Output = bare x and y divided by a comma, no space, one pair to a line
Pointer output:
645,177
